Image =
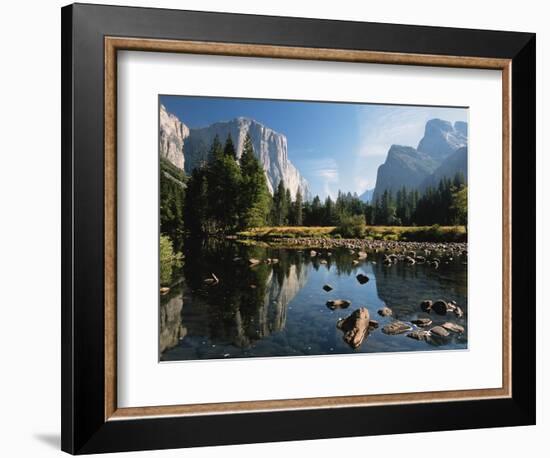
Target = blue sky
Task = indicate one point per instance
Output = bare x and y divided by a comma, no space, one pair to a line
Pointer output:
333,145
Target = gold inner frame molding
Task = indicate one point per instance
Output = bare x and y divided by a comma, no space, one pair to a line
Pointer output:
114,44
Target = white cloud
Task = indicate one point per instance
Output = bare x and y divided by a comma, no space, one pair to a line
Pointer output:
322,174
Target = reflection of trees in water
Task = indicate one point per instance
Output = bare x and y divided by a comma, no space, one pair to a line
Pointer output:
403,287
249,303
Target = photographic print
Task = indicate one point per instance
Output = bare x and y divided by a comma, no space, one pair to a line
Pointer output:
293,228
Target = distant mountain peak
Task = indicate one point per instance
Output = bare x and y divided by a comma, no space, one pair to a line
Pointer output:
434,157
442,138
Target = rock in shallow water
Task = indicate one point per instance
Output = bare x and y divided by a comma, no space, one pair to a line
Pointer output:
422,322
385,311
338,304
419,335
355,327
397,327
362,278
327,288
439,331
373,324
426,306
453,327
440,307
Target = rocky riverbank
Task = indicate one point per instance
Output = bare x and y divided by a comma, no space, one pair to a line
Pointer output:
401,250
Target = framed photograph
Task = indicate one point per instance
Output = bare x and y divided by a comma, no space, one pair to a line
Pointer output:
271,222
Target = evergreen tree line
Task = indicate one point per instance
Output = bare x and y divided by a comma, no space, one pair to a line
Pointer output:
224,194
445,204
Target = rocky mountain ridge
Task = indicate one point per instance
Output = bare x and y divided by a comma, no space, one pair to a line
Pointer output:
442,151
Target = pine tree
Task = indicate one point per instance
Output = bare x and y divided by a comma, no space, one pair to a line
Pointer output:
298,210
229,148
195,209
224,181
280,207
254,198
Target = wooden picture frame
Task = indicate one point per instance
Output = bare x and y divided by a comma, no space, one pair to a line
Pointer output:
91,37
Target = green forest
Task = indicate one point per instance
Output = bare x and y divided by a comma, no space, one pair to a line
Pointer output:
226,195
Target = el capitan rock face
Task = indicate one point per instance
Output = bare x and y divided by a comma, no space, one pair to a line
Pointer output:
172,135
270,148
442,152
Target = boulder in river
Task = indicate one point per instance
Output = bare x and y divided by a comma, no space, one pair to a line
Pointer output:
453,327
422,322
254,261
362,255
164,290
385,311
396,327
373,324
355,327
327,287
338,304
439,331
362,278
419,334
410,260
440,307
355,262
458,312
426,305
313,253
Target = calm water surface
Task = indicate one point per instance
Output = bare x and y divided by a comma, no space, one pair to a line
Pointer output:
280,309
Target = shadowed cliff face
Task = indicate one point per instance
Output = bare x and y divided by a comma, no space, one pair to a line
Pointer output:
442,152
442,138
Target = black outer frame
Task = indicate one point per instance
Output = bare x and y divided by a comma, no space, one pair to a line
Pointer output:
84,429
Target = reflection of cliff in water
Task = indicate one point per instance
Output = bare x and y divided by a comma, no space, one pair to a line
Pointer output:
171,328
401,286
248,304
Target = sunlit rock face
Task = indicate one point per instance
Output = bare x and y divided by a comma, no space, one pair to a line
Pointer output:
171,328
269,146
172,135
